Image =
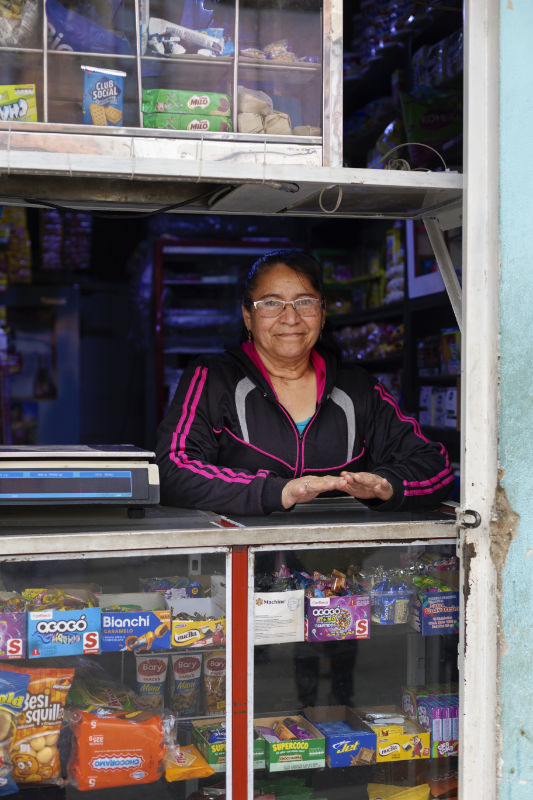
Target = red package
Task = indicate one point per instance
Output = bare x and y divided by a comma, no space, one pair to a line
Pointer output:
116,750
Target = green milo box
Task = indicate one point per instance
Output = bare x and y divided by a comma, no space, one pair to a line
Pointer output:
179,101
187,122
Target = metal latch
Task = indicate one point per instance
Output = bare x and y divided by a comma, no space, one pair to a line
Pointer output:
468,518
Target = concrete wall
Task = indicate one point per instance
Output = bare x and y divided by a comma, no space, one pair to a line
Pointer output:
516,393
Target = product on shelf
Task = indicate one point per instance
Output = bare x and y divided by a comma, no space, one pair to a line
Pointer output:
151,676
214,680
70,30
188,122
12,625
18,103
186,672
435,608
178,101
386,791
103,96
135,621
290,743
185,763
118,749
62,621
450,351
370,342
350,742
93,690
18,23
210,739
33,749
398,738
167,38
13,689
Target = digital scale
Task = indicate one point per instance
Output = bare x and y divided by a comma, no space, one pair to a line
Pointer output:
77,475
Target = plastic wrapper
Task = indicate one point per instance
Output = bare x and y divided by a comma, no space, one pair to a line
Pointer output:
13,687
69,30
254,101
59,599
215,682
151,675
117,749
186,763
186,676
161,28
18,28
33,749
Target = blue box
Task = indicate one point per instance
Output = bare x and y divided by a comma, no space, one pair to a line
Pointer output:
349,740
63,633
143,628
435,613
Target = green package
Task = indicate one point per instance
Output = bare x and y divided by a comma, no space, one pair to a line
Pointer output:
187,122
179,101
18,103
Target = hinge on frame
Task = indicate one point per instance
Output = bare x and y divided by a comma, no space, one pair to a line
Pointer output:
468,518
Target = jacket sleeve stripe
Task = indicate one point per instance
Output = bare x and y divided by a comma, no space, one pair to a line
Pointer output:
438,480
180,456
445,482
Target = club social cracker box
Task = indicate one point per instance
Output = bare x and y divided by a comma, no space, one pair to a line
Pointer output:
103,96
335,618
350,742
63,633
136,621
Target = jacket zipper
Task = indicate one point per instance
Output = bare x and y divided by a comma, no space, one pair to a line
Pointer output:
293,426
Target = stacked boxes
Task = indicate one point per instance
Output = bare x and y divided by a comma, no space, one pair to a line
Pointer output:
436,708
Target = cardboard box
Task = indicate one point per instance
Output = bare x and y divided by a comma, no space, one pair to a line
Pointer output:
295,754
63,633
198,633
355,746
433,613
215,752
278,617
436,714
398,743
12,634
138,630
330,619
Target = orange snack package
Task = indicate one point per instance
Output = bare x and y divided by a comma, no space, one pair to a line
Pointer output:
117,749
33,749
185,763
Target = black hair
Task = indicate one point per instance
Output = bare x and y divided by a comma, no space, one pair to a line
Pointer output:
297,260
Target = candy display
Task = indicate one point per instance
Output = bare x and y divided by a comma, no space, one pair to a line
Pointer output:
117,749
370,342
33,749
103,96
18,103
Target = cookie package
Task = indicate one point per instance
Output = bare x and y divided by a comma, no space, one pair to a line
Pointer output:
103,96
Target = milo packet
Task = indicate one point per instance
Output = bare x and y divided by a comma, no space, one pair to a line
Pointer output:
187,122
179,101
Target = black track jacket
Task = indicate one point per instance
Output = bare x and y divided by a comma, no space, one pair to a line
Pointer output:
227,444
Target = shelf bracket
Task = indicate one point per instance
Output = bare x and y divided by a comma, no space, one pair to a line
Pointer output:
447,270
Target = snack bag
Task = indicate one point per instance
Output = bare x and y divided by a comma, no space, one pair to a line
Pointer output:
117,749
215,682
186,763
103,96
13,687
186,670
33,749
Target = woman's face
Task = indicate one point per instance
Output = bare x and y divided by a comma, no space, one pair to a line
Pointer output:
288,337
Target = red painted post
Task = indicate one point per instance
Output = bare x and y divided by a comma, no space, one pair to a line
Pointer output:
239,604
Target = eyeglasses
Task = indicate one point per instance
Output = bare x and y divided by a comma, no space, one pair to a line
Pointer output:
304,306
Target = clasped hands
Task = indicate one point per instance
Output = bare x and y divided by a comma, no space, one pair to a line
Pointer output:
361,485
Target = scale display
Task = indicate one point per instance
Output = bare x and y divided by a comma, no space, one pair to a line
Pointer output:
65,484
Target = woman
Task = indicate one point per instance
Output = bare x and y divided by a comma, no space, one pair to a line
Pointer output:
276,421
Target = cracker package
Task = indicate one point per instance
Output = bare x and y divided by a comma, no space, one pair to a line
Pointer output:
118,749
13,687
186,763
103,96
33,749
215,682
18,103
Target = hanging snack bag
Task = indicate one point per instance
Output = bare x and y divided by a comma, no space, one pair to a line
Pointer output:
33,749
186,673
119,749
215,682
13,687
103,96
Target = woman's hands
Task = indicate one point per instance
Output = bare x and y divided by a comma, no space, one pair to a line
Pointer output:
361,485
367,486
